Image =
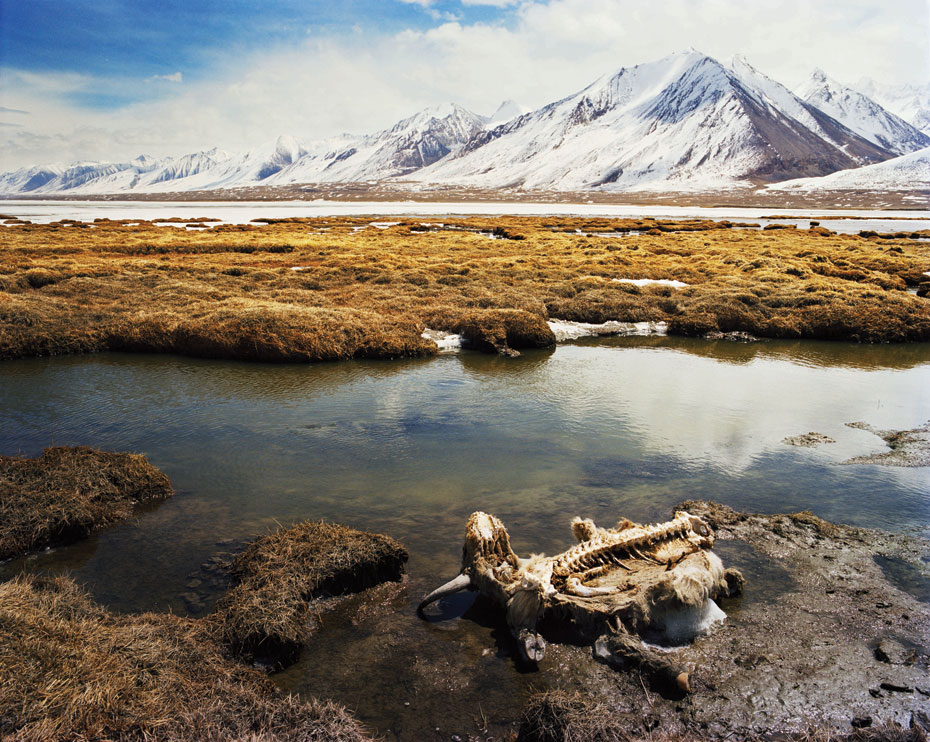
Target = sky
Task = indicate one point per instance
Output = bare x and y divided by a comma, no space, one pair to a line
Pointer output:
113,79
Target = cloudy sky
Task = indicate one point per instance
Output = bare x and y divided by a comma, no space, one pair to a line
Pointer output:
111,79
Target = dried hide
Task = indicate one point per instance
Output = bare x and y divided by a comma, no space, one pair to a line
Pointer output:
630,579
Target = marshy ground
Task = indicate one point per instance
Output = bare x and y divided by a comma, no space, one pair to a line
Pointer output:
337,288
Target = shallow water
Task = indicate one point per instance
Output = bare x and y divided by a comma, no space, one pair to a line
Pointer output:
242,212
605,429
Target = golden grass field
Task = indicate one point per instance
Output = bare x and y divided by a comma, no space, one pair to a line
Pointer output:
232,291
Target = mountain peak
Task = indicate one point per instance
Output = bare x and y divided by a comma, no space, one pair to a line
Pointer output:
818,75
507,111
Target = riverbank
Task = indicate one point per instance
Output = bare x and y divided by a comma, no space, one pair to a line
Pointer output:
828,642
74,670
300,290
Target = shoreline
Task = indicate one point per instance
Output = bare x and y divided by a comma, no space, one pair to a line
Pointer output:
750,197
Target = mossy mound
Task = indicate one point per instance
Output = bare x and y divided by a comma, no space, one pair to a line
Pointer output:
267,614
66,493
74,671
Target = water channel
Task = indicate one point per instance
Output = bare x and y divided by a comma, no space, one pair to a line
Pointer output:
626,427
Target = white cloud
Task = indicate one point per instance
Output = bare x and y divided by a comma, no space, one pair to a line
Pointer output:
546,50
173,77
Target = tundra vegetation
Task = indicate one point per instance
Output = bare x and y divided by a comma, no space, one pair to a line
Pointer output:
337,288
66,493
74,670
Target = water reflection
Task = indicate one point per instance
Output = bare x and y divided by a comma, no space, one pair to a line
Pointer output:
621,428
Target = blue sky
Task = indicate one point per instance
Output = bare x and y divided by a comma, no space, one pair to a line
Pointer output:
110,79
153,39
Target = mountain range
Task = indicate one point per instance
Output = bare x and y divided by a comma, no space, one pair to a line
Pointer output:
686,122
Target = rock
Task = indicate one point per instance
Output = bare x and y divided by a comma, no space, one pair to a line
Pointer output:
908,447
920,720
860,722
808,440
896,688
892,652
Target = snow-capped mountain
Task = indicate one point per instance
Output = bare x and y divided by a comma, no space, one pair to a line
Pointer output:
910,102
910,172
862,115
506,111
141,174
409,145
685,121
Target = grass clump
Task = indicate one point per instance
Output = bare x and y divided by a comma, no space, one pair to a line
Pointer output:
266,615
66,493
74,671
559,716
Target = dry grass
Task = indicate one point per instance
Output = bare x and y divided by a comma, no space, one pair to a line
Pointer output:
267,614
72,670
229,291
558,716
66,493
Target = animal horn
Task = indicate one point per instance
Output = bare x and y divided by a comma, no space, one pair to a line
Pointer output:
456,585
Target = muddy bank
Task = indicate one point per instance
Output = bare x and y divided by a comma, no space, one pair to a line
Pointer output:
831,635
908,447
66,493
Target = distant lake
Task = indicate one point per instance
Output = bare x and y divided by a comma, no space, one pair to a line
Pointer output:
242,212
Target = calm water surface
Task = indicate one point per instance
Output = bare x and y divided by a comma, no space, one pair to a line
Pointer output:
609,429
240,212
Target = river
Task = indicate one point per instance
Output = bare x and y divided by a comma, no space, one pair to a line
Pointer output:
838,220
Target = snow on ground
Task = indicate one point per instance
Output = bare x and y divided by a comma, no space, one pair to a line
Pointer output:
565,330
655,281
244,212
447,342
909,172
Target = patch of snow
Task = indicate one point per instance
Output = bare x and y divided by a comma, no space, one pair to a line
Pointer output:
447,342
565,330
383,225
647,281
909,172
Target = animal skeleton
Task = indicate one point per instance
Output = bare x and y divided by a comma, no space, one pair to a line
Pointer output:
629,579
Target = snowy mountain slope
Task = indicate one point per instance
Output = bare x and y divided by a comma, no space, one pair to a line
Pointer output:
685,121
506,111
910,172
142,174
910,102
862,115
409,145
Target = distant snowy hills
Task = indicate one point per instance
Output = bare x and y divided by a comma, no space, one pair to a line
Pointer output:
862,115
910,102
685,122
909,172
